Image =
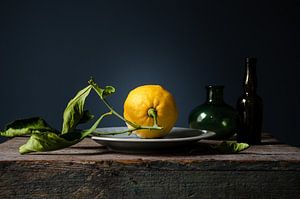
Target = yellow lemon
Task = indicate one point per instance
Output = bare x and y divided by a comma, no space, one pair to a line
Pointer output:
145,100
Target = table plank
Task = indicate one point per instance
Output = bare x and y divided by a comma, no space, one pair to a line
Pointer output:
270,170
88,150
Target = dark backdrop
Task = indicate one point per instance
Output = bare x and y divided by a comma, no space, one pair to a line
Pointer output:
49,49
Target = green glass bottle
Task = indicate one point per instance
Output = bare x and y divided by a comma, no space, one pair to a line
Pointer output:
215,115
250,107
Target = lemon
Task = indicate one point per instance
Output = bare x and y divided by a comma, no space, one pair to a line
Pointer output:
144,101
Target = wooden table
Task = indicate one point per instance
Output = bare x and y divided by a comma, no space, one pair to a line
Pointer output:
89,170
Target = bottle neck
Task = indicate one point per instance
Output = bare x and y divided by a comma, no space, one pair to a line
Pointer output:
250,81
214,94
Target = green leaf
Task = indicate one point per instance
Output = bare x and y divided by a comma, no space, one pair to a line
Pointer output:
93,128
231,147
26,127
108,91
103,93
87,116
74,112
39,142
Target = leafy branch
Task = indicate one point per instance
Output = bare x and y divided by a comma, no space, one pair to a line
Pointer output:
102,93
45,138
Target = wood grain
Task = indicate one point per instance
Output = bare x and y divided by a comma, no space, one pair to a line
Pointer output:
89,170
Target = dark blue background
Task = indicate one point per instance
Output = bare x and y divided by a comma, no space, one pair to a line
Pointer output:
49,49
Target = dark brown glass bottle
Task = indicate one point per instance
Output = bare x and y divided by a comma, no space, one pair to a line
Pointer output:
250,107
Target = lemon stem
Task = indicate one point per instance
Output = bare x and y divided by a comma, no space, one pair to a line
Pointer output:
153,113
118,115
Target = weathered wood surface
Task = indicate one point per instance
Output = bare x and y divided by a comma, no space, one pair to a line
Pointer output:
89,170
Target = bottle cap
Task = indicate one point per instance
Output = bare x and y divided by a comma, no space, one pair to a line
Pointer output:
251,60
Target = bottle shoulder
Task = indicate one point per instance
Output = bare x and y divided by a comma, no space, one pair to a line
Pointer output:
208,109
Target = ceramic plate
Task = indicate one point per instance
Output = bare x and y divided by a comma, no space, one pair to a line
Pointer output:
179,138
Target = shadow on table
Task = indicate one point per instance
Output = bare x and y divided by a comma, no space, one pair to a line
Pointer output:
203,147
78,151
103,150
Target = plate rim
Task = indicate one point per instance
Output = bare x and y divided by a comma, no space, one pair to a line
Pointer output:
206,134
